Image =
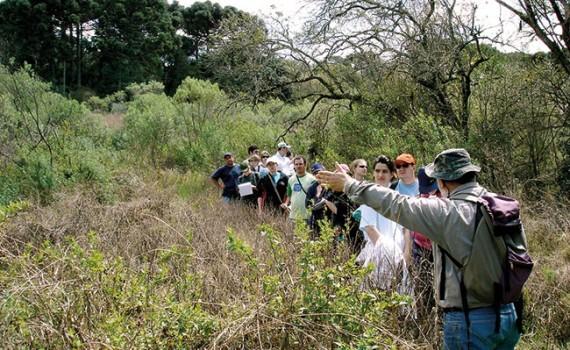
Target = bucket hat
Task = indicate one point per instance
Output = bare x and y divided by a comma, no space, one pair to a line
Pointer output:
451,164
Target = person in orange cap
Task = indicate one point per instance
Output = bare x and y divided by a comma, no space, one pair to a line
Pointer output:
406,169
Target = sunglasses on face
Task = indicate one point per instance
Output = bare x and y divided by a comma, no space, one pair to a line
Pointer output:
403,166
386,171
363,166
264,157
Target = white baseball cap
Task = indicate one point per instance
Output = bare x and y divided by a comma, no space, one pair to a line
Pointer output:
271,160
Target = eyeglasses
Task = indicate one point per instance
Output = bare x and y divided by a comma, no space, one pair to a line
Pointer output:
403,165
363,166
382,171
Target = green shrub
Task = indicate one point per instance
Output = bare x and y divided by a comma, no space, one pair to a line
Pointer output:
325,296
97,104
12,208
152,87
149,126
39,178
96,298
358,135
9,186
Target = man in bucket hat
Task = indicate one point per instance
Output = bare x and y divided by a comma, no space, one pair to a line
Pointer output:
450,222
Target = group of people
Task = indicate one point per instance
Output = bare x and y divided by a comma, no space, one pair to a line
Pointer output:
406,219
284,184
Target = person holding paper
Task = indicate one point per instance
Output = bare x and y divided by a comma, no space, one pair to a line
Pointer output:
248,185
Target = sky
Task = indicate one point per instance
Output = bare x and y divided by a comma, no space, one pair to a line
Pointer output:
489,15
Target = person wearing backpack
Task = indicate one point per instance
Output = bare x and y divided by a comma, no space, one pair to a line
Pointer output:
479,268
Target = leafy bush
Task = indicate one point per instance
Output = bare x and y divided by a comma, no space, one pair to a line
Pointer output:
370,135
38,177
151,87
97,104
324,296
94,298
149,125
11,209
46,138
9,187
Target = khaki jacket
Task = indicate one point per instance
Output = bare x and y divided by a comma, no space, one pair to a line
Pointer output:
448,222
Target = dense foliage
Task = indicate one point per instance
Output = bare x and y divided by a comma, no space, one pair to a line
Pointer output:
105,45
123,107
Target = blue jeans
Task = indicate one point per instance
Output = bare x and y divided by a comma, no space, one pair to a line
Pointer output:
482,335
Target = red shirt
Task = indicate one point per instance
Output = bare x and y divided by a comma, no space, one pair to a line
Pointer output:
418,238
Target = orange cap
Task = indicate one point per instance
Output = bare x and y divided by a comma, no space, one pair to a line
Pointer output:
405,158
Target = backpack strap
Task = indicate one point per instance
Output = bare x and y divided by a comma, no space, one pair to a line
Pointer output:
462,288
275,187
300,184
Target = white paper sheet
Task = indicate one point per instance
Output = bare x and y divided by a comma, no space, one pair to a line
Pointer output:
245,189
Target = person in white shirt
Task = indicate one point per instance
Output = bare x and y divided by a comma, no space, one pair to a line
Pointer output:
385,244
297,188
284,163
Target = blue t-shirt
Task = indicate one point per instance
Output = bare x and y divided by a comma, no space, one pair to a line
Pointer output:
412,190
229,176
276,176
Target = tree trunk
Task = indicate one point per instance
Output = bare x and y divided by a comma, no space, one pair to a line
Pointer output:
79,52
465,95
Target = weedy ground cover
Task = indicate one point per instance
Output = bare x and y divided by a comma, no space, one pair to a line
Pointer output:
166,266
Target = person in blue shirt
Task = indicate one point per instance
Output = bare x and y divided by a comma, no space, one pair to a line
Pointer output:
406,170
408,185
228,174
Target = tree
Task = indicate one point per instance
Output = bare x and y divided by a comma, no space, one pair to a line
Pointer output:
200,20
22,42
550,22
54,45
351,47
242,60
195,25
132,38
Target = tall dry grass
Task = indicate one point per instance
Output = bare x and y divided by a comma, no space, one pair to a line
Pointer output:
159,260
153,251
547,293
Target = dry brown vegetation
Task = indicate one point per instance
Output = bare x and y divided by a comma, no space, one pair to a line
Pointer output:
114,121
226,288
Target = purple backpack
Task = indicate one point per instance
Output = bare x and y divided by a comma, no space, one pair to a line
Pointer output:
517,266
